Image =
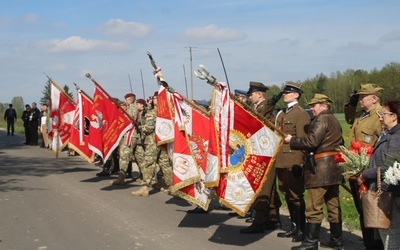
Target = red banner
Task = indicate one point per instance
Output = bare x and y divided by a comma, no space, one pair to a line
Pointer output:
107,125
79,139
62,109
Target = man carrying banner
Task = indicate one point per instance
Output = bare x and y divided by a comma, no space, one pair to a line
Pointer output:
266,206
294,120
322,175
128,142
139,151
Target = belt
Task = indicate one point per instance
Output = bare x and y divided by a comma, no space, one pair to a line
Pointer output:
325,154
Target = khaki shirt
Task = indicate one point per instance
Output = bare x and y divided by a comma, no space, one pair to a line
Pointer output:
366,127
292,121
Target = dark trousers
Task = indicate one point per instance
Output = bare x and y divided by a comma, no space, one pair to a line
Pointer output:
369,234
33,129
10,125
27,134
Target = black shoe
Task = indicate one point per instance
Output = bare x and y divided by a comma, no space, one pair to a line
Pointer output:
222,207
197,210
254,228
272,225
128,175
247,215
103,173
233,214
249,220
287,234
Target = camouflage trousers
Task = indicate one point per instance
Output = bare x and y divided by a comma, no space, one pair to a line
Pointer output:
140,157
126,153
152,155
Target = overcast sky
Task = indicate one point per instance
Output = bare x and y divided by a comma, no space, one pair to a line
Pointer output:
267,41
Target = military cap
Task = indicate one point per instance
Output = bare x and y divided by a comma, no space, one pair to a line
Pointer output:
241,92
141,101
292,87
129,95
257,86
320,98
370,89
205,104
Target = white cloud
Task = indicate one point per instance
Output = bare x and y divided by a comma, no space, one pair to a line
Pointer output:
289,42
118,27
392,36
30,18
74,44
212,33
358,46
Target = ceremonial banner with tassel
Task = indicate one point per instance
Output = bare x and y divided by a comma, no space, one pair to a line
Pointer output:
79,139
190,151
248,148
62,109
165,125
107,124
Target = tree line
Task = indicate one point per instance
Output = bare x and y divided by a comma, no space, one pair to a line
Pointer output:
339,85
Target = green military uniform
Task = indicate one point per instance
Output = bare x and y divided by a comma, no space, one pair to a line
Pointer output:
125,149
366,128
139,150
294,120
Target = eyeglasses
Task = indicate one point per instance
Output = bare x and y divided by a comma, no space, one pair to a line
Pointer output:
382,113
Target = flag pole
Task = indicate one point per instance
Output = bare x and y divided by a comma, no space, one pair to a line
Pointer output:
111,98
161,80
223,66
203,74
61,89
141,75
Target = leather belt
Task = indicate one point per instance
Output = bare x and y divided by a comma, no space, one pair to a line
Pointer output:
325,154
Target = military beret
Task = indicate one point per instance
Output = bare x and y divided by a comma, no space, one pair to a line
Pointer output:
129,95
257,86
205,104
241,92
292,87
141,101
320,98
370,89
155,94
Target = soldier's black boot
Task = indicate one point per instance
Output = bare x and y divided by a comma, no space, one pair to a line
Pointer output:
311,237
257,226
300,221
129,170
290,233
106,169
336,237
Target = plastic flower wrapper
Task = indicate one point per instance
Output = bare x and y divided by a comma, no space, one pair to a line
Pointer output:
392,174
355,159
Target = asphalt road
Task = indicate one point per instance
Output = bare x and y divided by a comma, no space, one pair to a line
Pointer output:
59,203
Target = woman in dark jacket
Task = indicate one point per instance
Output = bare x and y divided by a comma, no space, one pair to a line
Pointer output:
383,155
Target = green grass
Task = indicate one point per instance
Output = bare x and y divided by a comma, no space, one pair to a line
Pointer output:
349,212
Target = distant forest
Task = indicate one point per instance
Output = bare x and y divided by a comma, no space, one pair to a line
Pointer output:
339,85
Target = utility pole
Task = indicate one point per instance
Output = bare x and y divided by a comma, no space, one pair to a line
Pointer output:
191,71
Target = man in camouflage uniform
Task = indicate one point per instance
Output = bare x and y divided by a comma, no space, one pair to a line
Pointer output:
140,150
126,148
267,204
152,152
294,120
366,128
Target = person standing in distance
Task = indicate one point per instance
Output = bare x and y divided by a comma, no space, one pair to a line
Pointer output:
10,116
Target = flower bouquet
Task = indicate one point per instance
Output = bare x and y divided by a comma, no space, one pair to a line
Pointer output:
355,159
392,174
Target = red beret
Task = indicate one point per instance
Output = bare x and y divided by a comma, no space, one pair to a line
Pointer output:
155,93
141,101
129,95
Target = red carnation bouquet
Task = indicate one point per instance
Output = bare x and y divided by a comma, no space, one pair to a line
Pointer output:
354,160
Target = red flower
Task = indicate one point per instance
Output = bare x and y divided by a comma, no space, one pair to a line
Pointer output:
369,149
356,145
339,158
